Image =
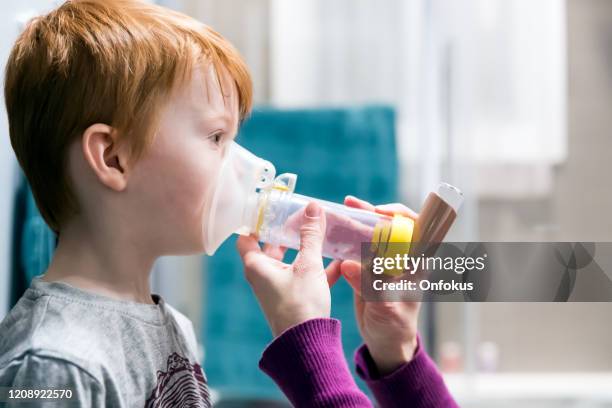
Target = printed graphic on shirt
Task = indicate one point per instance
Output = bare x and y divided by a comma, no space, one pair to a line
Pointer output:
181,385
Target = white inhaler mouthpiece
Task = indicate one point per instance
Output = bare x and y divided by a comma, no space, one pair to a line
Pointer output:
232,203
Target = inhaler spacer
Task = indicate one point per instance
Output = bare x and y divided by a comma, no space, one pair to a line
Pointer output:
248,198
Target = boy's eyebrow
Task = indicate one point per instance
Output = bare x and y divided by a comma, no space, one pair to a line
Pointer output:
220,122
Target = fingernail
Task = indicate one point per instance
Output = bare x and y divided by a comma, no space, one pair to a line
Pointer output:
313,211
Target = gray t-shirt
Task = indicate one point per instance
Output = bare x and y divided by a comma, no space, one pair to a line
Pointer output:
108,352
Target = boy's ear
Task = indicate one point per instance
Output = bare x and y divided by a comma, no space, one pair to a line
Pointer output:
102,152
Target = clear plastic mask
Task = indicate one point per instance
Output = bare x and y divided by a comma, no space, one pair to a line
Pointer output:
232,202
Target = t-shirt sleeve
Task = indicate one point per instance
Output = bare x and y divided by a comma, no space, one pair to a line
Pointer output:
41,372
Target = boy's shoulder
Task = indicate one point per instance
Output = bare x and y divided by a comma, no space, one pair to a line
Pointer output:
93,332
58,334
42,329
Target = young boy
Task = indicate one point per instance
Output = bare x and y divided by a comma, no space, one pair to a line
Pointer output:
120,114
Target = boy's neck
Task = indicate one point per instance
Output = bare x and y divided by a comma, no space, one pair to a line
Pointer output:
103,263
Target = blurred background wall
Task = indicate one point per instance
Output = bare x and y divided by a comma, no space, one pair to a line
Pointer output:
567,337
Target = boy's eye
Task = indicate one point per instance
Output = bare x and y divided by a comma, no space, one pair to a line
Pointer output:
216,138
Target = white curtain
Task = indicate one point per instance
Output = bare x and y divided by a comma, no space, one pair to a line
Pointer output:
479,85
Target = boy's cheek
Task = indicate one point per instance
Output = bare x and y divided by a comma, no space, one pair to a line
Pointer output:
164,193
186,193
170,189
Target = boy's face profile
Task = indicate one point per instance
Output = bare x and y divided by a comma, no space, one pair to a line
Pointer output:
162,200
169,185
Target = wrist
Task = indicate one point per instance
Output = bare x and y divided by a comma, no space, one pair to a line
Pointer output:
286,321
389,358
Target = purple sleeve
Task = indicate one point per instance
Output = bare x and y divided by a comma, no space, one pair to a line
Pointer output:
307,363
416,384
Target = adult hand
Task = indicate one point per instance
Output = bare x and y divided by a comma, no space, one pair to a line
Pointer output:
389,329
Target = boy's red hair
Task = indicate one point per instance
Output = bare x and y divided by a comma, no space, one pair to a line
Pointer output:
110,62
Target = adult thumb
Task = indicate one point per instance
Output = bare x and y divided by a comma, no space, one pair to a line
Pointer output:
312,233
